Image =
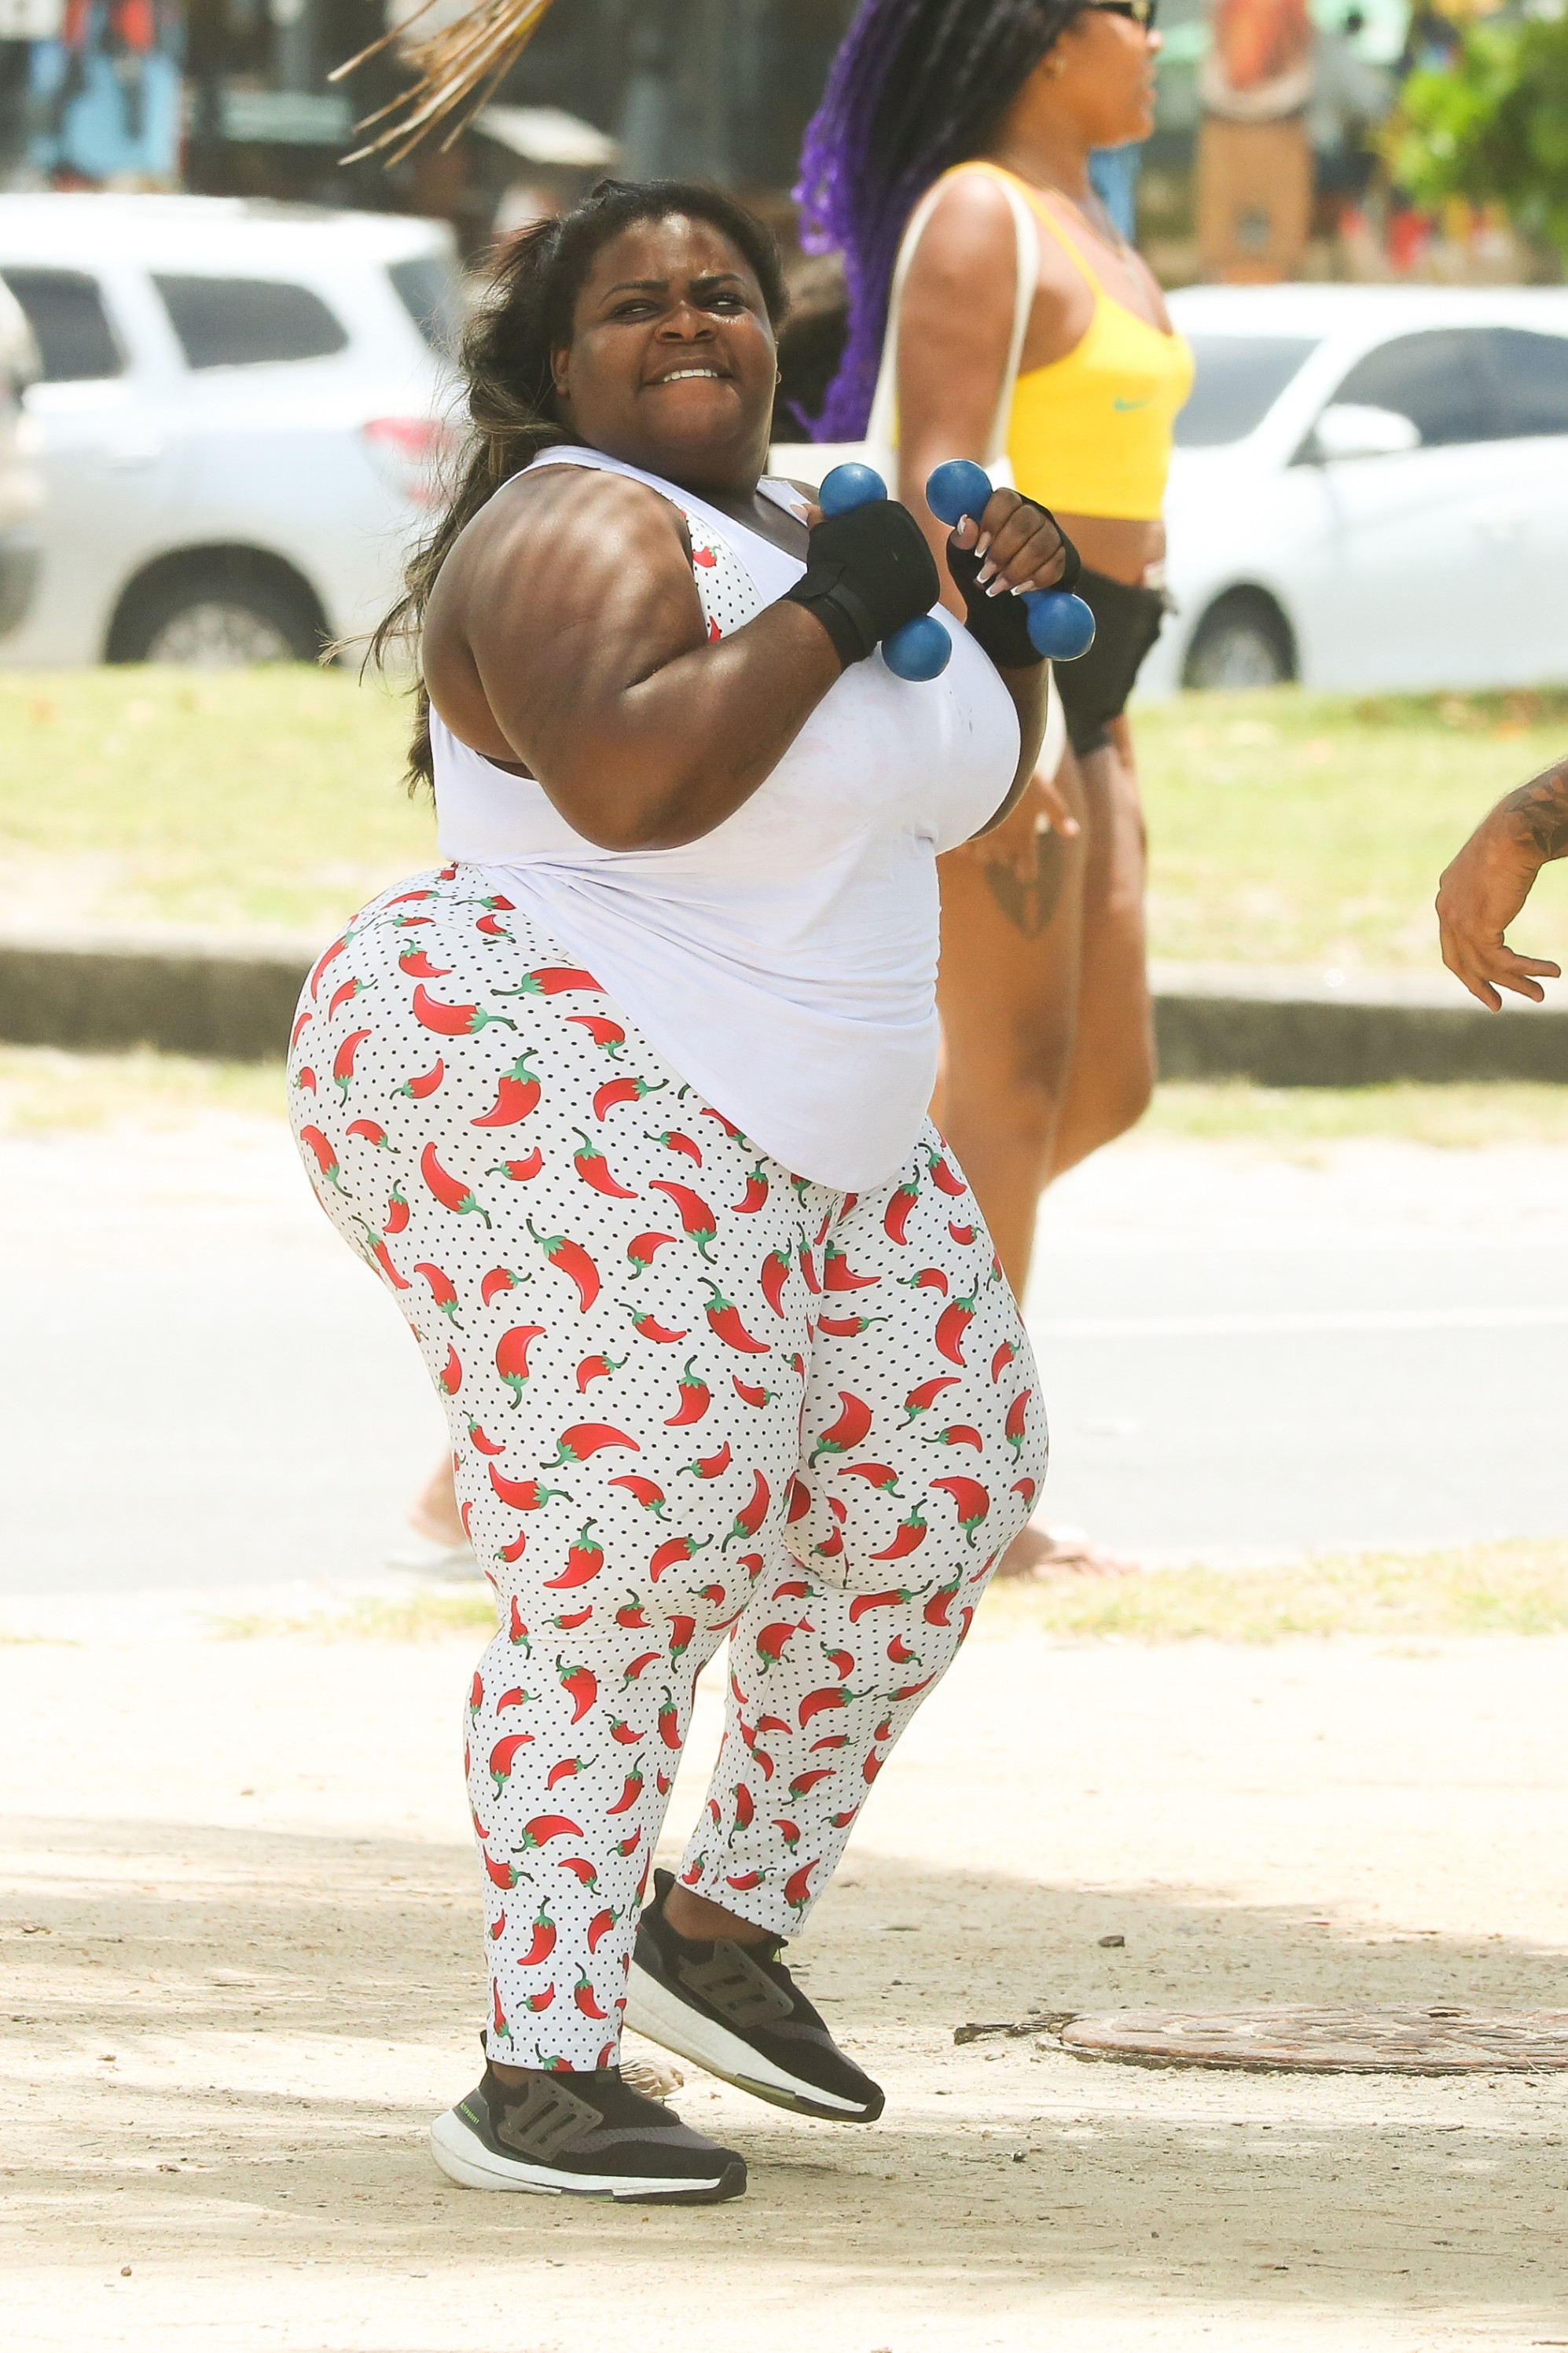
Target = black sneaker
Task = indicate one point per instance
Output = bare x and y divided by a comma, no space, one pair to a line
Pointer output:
736,2011
583,2136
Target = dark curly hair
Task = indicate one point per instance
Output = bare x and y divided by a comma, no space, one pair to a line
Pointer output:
506,359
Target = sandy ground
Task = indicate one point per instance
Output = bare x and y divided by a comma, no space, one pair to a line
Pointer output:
239,1944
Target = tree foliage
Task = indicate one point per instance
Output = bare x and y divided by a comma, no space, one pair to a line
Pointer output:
1492,126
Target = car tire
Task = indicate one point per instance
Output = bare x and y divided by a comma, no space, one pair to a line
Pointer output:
1243,642
218,615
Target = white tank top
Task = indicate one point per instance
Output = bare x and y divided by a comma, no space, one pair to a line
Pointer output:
786,962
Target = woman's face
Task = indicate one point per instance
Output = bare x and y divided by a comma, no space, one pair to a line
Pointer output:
672,364
1102,70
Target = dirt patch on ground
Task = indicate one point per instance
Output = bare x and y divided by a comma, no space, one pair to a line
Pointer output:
239,1935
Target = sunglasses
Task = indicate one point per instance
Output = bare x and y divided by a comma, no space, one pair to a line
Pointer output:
1141,13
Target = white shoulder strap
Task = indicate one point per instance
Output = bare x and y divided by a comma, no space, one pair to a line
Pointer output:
882,429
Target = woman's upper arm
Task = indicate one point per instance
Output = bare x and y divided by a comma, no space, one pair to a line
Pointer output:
581,588
955,325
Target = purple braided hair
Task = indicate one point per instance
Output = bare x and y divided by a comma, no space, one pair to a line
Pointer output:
916,86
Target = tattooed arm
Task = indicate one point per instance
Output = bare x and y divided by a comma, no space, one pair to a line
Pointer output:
1484,888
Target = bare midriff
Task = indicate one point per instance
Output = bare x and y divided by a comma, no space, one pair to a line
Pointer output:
1123,551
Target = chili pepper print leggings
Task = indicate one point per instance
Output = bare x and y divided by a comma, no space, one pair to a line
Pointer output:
691,1398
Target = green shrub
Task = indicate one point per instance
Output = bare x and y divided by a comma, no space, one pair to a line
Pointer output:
1493,126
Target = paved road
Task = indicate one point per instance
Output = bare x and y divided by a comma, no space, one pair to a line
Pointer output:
1243,1358
1247,1355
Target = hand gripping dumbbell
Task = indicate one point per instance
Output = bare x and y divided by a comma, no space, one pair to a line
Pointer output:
1061,626
921,649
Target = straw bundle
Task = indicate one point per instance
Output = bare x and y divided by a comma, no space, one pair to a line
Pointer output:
457,66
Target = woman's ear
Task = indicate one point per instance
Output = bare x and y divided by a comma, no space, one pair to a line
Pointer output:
560,370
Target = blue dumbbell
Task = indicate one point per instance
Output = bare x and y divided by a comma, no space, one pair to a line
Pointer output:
921,649
1060,625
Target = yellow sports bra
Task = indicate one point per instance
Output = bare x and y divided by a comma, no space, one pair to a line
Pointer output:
1090,434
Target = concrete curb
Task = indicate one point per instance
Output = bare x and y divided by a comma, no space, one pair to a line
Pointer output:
233,1000
187,995
1284,1028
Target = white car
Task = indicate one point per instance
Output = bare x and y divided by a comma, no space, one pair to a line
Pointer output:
238,408
21,480
1369,490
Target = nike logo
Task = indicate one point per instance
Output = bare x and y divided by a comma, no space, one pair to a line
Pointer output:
1119,403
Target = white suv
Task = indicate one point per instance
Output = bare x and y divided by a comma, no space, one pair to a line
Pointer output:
21,484
238,407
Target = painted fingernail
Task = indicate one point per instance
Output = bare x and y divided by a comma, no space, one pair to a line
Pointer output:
985,574
982,543
1001,586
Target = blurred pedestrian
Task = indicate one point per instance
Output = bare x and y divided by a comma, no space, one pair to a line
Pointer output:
1349,93
1487,884
949,162
725,1350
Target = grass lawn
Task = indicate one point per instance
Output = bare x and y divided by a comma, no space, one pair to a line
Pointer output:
1286,828
1493,1588
1310,829
44,1089
263,800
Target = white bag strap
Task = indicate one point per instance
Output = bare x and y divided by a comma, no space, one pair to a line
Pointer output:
882,428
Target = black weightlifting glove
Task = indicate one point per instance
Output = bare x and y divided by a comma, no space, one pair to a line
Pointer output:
1000,625
867,573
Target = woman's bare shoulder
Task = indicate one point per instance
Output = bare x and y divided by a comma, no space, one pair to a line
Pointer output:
547,508
968,232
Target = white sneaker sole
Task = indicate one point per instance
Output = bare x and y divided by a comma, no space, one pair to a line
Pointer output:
664,2019
463,2157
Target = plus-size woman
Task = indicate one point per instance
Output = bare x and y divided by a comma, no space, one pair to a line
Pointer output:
1044,994
627,1103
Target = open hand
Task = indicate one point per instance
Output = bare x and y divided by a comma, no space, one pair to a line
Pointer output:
1478,898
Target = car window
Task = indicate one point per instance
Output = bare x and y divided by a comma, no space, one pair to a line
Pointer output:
1238,380
1439,380
65,310
427,291
1532,375
249,322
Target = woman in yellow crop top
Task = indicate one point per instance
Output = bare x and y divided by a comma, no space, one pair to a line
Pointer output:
1044,991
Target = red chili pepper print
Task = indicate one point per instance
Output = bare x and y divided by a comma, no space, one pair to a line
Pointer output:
696,1218
584,1561
724,1322
951,1324
499,1280
520,1172
895,1217
605,1033
550,979
643,1491
581,1687
525,1494
944,1176
516,1094
511,1356
321,1152
622,1091
594,1169
816,1430
450,1191
641,1249
695,1398
586,1439
454,1020
573,1261
419,1089
972,1500
648,1327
